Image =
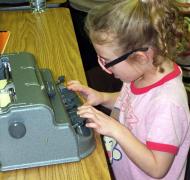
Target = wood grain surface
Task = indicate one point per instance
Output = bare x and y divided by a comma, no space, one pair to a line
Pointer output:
51,38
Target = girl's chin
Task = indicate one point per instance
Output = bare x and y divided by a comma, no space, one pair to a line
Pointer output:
116,76
126,80
121,79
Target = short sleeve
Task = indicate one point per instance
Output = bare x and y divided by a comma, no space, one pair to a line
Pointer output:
167,128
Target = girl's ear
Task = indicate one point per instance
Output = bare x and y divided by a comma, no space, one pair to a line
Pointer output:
145,57
142,58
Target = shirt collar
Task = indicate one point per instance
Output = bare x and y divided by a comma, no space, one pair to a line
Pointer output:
176,72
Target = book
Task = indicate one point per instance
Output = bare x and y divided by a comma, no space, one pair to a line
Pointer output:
4,37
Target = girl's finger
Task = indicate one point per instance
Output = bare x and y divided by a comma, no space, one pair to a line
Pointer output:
92,125
73,82
85,109
88,115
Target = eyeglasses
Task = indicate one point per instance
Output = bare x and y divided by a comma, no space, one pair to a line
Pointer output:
105,66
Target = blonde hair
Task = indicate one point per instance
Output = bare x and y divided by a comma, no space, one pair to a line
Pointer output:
136,24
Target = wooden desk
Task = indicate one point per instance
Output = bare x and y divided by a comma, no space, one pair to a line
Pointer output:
50,37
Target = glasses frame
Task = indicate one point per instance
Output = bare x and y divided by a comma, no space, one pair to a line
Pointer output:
123,57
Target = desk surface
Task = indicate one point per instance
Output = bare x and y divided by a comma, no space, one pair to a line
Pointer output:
50,37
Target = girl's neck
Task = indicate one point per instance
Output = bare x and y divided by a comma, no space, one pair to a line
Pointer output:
153,75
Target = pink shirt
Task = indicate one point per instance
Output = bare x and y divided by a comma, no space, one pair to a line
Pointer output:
158,115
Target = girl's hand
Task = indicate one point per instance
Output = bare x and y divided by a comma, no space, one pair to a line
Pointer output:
99,121
92,96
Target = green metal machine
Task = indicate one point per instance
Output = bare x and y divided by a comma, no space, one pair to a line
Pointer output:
38,120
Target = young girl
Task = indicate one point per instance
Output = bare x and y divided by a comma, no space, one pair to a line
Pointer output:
148,134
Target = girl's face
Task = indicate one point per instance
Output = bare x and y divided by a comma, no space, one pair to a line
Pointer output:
127,70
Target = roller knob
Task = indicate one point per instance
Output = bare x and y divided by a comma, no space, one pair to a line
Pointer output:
17,130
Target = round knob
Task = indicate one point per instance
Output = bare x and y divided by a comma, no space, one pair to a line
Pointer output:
61,79
17,130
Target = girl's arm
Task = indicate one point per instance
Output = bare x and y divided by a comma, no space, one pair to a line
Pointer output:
108,99
92,96
154,163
